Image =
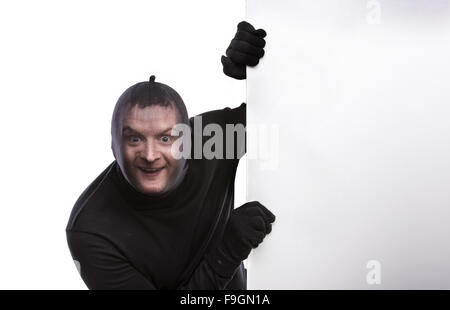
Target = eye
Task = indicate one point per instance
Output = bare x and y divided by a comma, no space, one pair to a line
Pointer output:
165,139
134,139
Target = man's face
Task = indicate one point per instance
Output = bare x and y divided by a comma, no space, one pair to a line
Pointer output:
146,148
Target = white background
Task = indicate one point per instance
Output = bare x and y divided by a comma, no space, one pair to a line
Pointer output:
63,65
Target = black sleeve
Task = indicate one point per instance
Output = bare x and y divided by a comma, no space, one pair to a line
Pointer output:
226,115
103,267
237,117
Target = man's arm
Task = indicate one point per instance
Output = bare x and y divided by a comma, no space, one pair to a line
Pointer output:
235,118
245,49
103,267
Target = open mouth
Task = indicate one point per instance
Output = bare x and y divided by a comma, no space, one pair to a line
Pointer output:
151,172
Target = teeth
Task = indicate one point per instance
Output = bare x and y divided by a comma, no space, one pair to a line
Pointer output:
151,170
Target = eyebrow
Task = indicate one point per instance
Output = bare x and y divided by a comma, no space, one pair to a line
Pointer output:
128,128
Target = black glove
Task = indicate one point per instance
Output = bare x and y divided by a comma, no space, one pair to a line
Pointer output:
245,49
245,230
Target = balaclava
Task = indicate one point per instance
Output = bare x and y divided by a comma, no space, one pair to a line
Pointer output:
146,94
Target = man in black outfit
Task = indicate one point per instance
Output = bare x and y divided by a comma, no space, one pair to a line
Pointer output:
151,221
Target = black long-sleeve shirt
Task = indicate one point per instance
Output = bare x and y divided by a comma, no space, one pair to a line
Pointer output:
123,239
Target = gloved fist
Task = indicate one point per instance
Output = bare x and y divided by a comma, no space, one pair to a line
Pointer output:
245,230
245,49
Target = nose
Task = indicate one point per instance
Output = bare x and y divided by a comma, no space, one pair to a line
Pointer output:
151,153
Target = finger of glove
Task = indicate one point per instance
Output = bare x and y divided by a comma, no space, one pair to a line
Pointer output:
255,208
233,70
245,26
254,240
237,249
245,253
269,228
246,48
252,209
241,58
269,215
257,239
250,38
260,33
267,225
257,224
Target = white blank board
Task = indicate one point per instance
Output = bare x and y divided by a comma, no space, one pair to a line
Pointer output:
349,144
